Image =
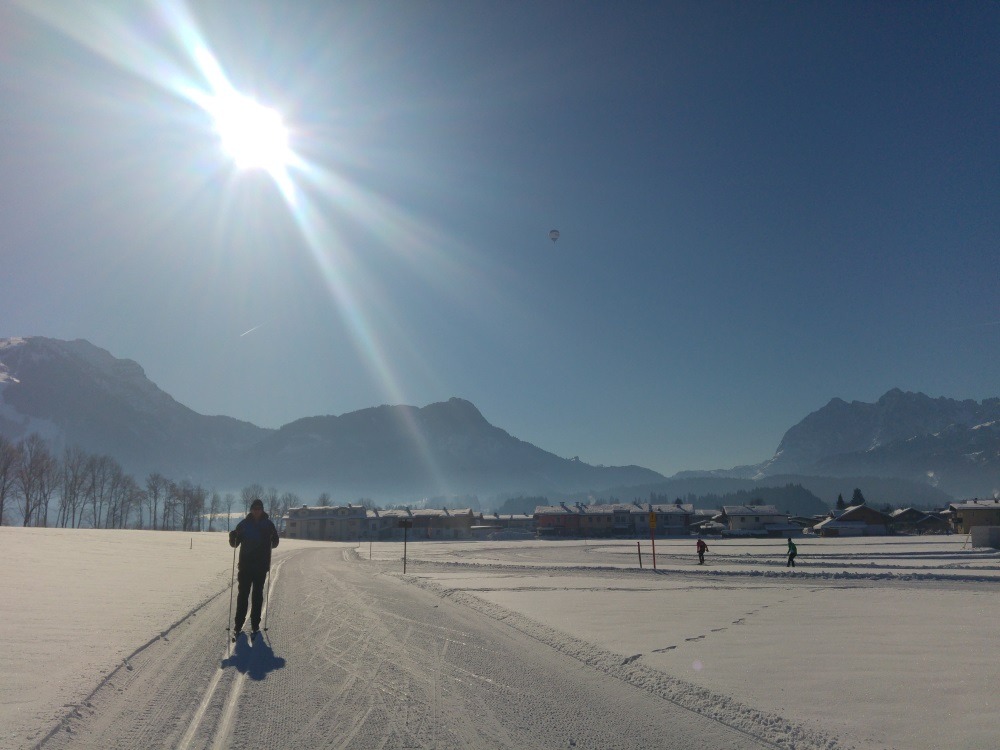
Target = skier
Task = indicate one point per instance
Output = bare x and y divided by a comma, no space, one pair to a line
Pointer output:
792,552
256,536
702,549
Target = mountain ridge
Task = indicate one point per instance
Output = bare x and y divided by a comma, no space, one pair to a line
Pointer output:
82,395
75,393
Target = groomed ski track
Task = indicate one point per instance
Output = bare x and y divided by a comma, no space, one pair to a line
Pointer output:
358,657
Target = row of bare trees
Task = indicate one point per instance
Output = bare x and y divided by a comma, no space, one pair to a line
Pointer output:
79,489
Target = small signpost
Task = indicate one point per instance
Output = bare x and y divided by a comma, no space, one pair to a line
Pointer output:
405,524
652,535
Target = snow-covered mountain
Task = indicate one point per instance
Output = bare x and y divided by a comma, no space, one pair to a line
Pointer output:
75,393
952,444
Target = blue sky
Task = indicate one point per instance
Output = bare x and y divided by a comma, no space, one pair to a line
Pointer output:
761,205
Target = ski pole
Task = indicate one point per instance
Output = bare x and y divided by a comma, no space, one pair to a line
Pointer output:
229,624
267,595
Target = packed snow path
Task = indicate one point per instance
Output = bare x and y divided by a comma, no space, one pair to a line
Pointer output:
356,658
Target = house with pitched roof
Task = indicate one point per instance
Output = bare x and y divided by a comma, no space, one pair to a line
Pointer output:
755,520
354,522
913,521
672,519
855,520
326,523
971,513
558,520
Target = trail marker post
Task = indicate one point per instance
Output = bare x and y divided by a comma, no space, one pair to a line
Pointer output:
652,535
406,524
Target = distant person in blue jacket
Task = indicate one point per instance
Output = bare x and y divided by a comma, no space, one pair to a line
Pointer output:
256,536
792,552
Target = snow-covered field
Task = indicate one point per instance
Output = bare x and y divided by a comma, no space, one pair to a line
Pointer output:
868,643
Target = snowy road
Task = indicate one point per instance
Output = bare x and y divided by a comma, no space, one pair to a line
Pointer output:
357,658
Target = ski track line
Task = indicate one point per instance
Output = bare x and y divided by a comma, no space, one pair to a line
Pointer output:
64,721
234,692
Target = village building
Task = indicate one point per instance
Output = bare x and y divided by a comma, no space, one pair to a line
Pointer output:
913,521
672,519
755,520
855,520
967,515
613,519
558,520
325,523
354,523
500,523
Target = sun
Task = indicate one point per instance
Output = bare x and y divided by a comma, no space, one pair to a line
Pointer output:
254,136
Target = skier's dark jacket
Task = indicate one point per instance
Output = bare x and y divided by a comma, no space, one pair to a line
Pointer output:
255,540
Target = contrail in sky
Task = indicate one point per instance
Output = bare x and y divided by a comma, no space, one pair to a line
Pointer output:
250,331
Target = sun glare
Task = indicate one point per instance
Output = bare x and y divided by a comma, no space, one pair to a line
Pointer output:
253,135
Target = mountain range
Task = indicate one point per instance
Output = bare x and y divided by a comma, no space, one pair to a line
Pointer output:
948,444
75,393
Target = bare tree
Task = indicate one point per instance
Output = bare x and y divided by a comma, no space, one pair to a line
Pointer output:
249,494
99,473
128,501
172,502
156,485
230,499
72,482
288,500
117,495
34,478
137,499
10,457
50,474
270,499
198,499
191,503
214,509
140,504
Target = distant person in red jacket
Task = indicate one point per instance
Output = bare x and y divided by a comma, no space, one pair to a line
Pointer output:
702,549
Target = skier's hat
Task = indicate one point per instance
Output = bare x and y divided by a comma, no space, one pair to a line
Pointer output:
257,503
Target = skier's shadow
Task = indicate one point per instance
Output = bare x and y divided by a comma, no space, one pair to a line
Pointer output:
255,661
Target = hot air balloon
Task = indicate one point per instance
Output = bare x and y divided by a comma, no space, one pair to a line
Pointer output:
554,235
